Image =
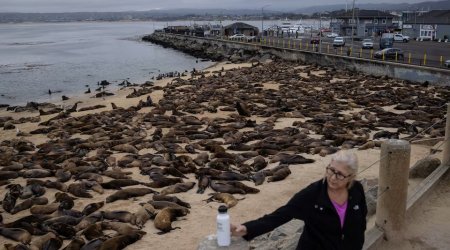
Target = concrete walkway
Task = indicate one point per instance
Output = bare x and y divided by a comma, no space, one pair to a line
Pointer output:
428,225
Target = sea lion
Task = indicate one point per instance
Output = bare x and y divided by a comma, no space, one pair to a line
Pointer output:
159,197
242,109
16,234
128,193
126,148
92,207
223,187
16,247
65,200
201,159
163,220
178,188
116,174
62,229
8,175
93,231
121,241
79,190
230,176
164,204
76,244
9,202
279,175
35,190
122,216
294,159
29,203
228,199
259,163
38,242
89,220
258,178
44,209
240,185
203,183
36,173
90,176
94,244
119,227
119,183
63,176
144,213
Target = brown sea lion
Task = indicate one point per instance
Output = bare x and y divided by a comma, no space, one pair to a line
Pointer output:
122,216
90,176
8,175
30,190
240,185
226,198
119,227
203,183
163,220
124,194
62,175
230,176
79,190
65,200
116,174
201,159
29,203
36,173
258,178
15,247
223,187
44,209
259,163
93,231
144,213
92,207
94,244
16,234
159,197
279,175
178,188
89,220
121,241
164,204
242,109
119,183
75,244
38,242
126,148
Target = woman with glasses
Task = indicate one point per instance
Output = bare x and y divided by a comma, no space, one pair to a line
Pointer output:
334,210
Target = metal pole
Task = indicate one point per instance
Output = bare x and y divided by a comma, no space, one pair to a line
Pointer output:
353,21
446,157
320,32
393,179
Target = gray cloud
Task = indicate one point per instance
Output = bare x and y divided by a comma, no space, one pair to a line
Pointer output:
140,5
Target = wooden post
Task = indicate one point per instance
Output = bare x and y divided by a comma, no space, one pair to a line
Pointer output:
446,157
393,188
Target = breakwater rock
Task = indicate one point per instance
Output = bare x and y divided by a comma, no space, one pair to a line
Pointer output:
207,50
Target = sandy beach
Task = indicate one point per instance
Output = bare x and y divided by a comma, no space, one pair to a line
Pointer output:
200,222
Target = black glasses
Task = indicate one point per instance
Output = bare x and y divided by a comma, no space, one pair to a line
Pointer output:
331,171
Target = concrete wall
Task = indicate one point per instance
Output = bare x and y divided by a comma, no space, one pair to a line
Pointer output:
413,73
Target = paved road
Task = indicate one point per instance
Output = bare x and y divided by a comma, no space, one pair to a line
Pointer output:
414,51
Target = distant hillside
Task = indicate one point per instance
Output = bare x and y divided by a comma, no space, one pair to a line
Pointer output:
429,5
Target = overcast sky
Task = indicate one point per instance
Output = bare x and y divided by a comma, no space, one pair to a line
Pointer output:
127,5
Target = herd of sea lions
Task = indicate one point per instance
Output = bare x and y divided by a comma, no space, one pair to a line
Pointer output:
217,136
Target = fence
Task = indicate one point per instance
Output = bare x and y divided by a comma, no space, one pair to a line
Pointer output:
409,58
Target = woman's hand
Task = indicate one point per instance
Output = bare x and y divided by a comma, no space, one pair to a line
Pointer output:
239,230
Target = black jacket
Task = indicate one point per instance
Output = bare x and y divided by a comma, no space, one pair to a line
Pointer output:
322,228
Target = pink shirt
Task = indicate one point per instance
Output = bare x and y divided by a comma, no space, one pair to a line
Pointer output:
340,209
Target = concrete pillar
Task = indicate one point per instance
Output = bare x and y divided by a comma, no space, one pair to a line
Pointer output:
446,156
393,188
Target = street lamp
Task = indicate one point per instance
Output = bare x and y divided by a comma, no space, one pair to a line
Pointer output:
262,18
353,22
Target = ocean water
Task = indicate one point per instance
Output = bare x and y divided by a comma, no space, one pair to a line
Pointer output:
68,57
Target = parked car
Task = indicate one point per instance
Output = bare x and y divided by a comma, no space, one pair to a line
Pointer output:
315,40
338,41
447,63
238,37
401,38
367,44
390,53
332,35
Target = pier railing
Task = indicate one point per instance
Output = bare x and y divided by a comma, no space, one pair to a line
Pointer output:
307,45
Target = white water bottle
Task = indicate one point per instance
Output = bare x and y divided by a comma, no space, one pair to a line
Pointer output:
223,227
